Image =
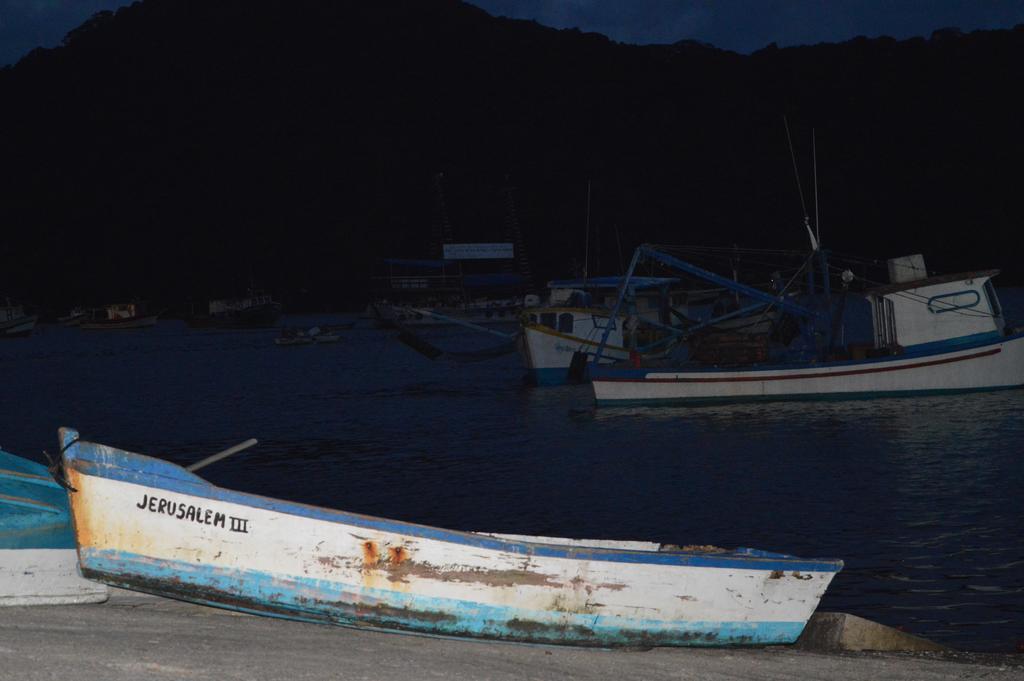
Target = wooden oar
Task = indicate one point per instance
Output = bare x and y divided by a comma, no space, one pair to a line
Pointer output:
221,455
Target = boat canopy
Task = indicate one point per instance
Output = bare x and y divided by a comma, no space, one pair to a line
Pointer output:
613,282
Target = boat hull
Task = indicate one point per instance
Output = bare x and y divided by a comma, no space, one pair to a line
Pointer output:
982,366
18,328
141,322
45,577
256,317
547,353
144,524
38,561
390,316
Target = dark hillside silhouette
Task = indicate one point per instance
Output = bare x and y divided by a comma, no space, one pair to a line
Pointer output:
176,148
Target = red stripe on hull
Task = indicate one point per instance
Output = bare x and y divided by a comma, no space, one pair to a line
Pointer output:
788,377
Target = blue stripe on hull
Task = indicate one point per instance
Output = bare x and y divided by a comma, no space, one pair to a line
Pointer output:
320,601
817,397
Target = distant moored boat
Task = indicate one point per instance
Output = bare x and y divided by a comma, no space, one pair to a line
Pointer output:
14,323
254,311
120,316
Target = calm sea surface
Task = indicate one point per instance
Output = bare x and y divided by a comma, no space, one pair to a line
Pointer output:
920,496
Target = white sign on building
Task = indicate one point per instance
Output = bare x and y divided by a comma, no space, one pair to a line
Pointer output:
478,251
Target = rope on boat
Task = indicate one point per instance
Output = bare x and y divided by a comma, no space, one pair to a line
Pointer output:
56,467
413,340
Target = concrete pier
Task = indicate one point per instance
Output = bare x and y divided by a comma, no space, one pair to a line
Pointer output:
134,636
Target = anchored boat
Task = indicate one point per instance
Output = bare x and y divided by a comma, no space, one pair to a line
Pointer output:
257,310
120,316
570,326
143,523
930,334
38,561
14,323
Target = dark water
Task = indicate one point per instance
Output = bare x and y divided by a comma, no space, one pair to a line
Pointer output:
921,497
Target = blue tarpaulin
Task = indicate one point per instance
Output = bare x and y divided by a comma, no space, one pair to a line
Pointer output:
432,264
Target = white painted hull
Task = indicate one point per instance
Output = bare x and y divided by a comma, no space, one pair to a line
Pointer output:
45,577
22,326
547,353
190,540
983,367
116,324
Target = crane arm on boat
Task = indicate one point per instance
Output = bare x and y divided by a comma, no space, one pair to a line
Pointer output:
749,291
762,298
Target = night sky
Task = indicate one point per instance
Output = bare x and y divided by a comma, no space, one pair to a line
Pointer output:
739,25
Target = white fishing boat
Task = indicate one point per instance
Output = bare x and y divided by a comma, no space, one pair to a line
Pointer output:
146,524
38,557
74,317
257,310
14,323
570,326
931,334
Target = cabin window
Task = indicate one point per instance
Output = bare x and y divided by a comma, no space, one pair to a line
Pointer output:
565,322
948,302
548,319
993,301
884,318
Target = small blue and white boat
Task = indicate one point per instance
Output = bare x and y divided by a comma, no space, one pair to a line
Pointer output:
930,334
573,320
143,523
38,561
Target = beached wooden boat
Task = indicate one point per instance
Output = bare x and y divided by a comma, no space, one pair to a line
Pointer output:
38,561
146,524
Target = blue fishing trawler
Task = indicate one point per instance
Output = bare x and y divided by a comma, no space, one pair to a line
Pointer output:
926,334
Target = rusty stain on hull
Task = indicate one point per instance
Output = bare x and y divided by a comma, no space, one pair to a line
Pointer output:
370,553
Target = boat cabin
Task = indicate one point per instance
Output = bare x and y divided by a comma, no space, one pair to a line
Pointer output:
914,313
9,312
578,306
229,306
117,311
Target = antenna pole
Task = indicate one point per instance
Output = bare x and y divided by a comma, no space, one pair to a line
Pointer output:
814,153
799,188
586,251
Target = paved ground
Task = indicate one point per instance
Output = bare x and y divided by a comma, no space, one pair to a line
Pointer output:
143,637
